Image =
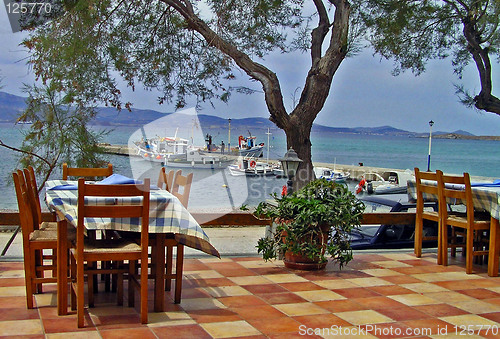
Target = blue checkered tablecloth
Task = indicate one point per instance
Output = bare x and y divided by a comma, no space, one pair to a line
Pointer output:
486,198
166,214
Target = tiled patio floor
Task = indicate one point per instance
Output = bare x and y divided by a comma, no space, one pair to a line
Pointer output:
385,295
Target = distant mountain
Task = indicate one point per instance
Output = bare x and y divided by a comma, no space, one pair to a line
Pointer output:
12,105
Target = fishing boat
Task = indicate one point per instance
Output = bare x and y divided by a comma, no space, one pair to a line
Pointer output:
250,167
161,149
330,174
389,182
247,146
199,159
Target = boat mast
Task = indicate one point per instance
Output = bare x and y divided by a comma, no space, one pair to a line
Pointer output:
268,134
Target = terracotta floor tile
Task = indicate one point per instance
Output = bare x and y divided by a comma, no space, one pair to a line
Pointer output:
402,313
440,310
480,293
364,317
235,272
371,257
67,324
414,299
298,309
270,326
319,295
369,281
201,282
268,270
190,293
301,286
258,312
291,335
21,327
401,279
230,329
11,282
423,287
242,301
477,306
282,298
226,291
18,314
201,304
469,320
250,280
417,262
335,306
457,285
358,292
265,288
390,290
495,316
211,316
117,321
334,284
378,302
181,332
314,276
323,321
143,333
12,302
228,265
94,334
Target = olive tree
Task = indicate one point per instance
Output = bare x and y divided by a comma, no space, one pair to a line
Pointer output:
189,48
413,32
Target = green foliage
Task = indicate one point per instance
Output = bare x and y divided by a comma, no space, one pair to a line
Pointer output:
59,133
413,32
85,49
302,216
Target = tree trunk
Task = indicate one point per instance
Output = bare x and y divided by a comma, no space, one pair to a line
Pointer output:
298,138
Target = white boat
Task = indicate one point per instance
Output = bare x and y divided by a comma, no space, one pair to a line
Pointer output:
250,168
198,159
161,149
330,174
389,182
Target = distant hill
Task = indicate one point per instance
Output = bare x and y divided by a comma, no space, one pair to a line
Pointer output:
11,105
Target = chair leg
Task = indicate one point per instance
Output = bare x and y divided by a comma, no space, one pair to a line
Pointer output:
418,237
470,251
79,293
168,267
28,277
144,290
38,274
444,245
178,273
90,285
131,292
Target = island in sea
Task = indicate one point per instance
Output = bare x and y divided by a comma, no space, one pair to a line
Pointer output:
12,105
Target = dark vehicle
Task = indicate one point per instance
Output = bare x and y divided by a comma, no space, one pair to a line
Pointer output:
391,236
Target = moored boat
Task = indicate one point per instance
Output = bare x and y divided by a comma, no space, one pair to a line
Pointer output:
161,149
200,160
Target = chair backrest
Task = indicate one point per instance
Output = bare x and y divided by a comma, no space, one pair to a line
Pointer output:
425,183
184,182
25,211
86,172
138,207
165,180
30,179
453,187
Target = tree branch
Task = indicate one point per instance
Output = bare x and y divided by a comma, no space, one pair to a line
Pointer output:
268,79
25,152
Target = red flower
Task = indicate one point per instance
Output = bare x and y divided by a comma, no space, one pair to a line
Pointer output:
283,191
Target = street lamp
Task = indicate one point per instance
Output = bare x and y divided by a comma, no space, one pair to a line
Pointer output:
290,163
229,137
430,138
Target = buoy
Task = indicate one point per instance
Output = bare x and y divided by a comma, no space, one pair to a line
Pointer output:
158,157
252,164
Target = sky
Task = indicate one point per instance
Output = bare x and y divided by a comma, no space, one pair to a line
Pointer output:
363,93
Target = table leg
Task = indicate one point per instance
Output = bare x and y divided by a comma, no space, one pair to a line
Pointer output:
62,267
493,259
159,272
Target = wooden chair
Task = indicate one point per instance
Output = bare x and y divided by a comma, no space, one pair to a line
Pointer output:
86,172
88,251
184,183
35,241
473,224
429,186
165,180
30,178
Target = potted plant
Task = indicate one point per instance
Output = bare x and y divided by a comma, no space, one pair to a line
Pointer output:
310,224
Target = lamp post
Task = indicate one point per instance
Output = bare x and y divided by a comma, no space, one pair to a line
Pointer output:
290,163
229,136
430,139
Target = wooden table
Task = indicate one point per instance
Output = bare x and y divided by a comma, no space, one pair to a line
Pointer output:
485,197
167,216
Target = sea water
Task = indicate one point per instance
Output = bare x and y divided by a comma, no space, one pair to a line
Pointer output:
217,189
